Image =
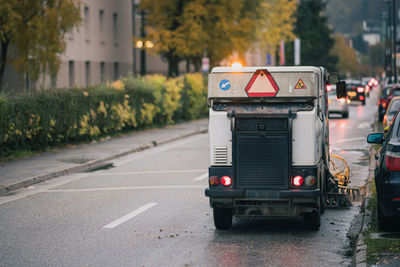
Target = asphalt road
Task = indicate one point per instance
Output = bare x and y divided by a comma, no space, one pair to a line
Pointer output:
150,210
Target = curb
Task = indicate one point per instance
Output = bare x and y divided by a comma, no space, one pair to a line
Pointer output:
360,255
5,189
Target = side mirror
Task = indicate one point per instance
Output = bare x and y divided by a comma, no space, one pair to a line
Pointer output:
334,78
375,138
340,90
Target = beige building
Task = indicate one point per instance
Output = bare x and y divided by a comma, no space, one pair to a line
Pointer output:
102,48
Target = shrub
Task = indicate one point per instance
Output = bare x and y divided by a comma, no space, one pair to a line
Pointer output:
36,120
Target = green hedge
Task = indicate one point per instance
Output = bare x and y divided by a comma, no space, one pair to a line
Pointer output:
36,120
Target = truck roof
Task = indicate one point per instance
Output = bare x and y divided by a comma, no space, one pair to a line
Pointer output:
270,69
265,82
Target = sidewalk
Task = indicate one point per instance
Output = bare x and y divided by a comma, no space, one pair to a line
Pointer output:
24,172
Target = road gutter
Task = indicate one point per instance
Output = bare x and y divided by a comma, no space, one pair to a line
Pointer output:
363,220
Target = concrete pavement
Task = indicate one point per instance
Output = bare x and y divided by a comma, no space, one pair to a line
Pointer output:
20,173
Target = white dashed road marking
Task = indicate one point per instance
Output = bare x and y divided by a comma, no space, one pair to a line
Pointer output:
349,140
130,215
201,177
157,187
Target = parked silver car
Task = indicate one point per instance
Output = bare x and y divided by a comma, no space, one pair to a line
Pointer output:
340,106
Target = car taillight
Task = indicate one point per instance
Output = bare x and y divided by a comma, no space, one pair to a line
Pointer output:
298,181
214,181
360,89
392,161
384,104
226,180
362,97
328,87
310,180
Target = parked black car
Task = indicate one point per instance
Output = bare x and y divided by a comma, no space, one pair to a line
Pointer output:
383,102
387,176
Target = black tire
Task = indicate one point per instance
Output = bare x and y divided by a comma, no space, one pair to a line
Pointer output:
363,102
322,201
312,221
380,113
222,218
345,115
384,223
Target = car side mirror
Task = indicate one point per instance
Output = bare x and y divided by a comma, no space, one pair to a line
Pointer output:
375,138
334,78
341,90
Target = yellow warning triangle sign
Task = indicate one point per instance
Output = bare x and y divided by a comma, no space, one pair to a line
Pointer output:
300,85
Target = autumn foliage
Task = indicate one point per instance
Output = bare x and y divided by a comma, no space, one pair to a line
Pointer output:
38,119
190,30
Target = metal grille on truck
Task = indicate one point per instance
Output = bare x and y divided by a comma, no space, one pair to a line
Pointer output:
262,154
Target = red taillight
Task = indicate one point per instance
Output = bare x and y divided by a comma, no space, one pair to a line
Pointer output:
384,104
362,97
396,199
328,87
214,181
393,161
360,89
298,181
226,180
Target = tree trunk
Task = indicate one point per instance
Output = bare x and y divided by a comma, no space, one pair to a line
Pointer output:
173,68
3,59
187,65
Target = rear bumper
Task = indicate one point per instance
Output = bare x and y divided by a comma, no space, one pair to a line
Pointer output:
278,194
390,206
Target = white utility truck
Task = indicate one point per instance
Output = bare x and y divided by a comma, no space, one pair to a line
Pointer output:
269,142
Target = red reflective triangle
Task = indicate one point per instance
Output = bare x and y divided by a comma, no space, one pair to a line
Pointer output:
261,84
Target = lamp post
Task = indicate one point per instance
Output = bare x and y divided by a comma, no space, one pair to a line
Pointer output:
394,40
134,34
143,51
392,30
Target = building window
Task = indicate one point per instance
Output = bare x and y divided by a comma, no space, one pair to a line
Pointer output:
115,28
101,25
116,70
71,72
102,72
87,73
87,23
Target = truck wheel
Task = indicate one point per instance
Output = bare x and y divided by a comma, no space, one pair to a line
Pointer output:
322,202
222,218
312,221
